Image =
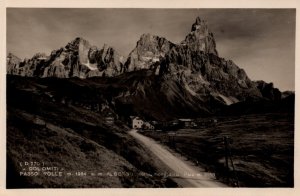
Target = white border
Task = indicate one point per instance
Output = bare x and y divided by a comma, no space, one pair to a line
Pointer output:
143,4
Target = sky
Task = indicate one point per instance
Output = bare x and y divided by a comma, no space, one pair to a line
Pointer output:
261,41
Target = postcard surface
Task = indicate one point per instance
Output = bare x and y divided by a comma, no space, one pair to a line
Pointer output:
150,97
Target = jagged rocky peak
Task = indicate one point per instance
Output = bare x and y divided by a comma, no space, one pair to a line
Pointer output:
92,61
13,58
200,24
201,38
108,53
12,63
149,49
77,43
153,43
77,59
110,60
40,56
81,46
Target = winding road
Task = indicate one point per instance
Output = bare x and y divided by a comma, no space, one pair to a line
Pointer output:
184,173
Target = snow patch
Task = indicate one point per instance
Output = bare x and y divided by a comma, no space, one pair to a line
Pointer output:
228,100
121,59
91,66
145,58
155,59
157,70
202,80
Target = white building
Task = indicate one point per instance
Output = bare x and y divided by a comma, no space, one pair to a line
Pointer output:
137,123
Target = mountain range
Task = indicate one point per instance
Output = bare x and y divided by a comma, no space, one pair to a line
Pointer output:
159,79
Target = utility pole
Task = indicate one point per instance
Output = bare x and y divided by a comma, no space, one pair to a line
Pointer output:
235,174
225,140
228,154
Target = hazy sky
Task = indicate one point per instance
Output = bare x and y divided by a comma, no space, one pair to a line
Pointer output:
261,41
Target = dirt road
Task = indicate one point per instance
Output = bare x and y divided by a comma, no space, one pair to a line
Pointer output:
183,172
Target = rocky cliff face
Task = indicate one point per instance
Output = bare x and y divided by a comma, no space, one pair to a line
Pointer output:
195,64
13,63
148,53
200,38
77,59
27,67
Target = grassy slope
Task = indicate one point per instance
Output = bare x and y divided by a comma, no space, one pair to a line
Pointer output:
73,138
262,148
63,148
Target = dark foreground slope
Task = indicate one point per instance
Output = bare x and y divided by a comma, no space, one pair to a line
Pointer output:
44,127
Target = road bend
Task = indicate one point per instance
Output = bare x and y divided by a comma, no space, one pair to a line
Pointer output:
187,175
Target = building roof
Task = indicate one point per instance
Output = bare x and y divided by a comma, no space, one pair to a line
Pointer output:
185,119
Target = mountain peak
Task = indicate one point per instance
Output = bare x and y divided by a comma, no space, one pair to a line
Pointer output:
148,50
146,37
199,23
40,56
151,39
79,39
199,20
74,44
200,38
11,55
12,63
